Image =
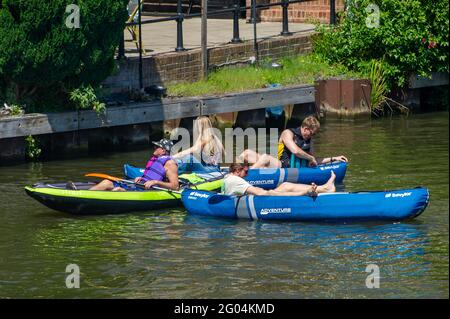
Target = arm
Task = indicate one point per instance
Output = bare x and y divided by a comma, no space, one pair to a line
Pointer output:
196,148
340,158
172,175
287,137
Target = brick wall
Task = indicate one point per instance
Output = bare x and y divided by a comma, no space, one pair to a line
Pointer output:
308,11
186,66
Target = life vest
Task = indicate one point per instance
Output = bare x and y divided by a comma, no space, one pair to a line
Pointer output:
287,158
154,170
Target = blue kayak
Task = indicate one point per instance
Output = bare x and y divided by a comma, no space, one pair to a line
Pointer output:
368,206
270,178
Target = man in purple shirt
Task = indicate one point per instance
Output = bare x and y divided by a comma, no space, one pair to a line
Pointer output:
161,170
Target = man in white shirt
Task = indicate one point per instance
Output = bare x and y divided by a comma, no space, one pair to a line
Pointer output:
234,184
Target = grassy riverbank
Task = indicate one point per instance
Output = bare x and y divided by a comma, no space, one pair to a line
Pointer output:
303,69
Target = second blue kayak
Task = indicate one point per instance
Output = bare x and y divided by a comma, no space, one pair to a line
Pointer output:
368,206
270,178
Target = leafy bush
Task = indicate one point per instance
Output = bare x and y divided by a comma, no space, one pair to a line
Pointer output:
16,110
412,37
86,98
33,151
40,54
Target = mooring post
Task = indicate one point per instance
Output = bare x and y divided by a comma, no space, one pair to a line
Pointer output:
285,6
180,19
333,12
237,11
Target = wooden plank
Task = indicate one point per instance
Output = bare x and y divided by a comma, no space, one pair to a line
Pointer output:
140,113
166,109
35,124
259,99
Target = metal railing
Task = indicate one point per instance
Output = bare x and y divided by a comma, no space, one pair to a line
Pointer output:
236,9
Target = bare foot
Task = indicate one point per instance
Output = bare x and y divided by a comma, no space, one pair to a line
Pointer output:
329,187
118,189
332,177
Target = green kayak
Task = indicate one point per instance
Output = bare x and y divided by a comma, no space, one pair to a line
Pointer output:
86,202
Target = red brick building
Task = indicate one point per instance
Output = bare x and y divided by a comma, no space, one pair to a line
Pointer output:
308,11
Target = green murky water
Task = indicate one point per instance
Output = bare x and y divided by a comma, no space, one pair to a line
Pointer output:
169,254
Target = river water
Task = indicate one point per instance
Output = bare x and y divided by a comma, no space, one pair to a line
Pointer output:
170,254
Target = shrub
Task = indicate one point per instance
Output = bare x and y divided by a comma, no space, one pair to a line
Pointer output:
86,98
40,54
33,151
412,37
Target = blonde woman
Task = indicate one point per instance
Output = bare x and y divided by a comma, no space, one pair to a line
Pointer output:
206,153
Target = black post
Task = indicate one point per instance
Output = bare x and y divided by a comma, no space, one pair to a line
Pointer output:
237,12
121,53
332,12
253,14
285,6
141,84
180,19
255,37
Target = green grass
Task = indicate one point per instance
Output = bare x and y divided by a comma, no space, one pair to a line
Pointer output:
302,69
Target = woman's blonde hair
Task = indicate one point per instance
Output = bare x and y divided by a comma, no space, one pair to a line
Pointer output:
211,144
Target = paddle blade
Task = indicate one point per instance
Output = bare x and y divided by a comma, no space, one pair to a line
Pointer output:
104,176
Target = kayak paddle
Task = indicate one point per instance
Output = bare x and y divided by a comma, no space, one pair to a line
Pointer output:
117,179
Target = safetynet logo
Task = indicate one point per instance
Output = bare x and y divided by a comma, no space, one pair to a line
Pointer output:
394,195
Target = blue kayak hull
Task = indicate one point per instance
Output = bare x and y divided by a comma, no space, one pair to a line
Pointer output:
368,206
270,178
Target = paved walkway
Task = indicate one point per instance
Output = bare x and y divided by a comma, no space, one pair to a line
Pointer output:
162,37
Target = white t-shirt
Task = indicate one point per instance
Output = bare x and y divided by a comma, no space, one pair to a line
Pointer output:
234,185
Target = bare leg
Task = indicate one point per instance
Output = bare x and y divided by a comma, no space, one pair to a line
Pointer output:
265,161
104,185
310,190
292,187
249,156
328,187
